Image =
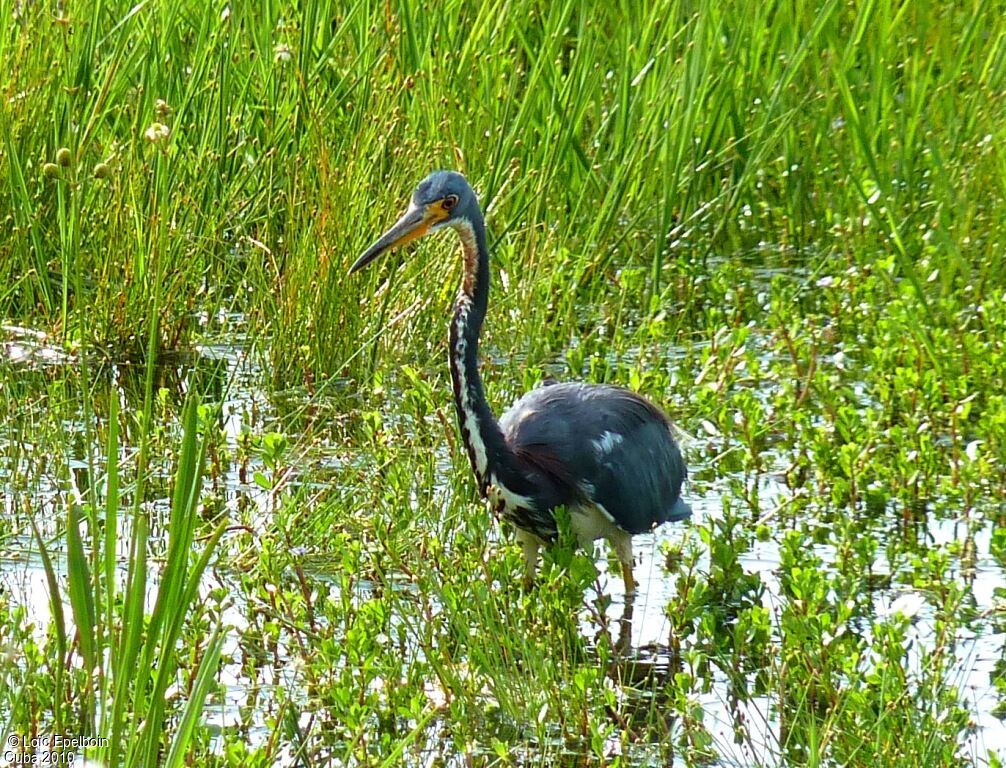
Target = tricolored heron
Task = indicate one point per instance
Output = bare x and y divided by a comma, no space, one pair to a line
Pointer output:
605,453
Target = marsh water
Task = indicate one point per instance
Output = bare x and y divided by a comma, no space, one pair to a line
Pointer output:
44,468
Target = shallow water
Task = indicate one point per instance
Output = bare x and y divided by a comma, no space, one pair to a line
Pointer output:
248,409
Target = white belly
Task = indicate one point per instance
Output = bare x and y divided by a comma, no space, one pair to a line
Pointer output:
590,523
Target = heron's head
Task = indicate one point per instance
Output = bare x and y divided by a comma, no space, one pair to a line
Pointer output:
442,199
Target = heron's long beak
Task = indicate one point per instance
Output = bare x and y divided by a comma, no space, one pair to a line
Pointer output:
414,224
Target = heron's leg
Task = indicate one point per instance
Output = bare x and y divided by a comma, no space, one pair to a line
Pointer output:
529,546
630,581
622,542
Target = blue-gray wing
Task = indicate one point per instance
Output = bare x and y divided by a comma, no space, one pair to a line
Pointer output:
603,443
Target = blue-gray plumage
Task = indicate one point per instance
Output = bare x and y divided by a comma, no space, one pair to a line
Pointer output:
603,445
604,452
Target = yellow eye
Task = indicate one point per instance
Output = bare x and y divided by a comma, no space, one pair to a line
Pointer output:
449,202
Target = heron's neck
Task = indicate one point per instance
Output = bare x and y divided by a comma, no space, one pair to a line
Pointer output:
487,449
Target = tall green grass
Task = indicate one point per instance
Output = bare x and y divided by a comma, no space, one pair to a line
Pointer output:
603,137
114,657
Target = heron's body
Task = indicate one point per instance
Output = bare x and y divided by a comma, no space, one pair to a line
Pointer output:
603,452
